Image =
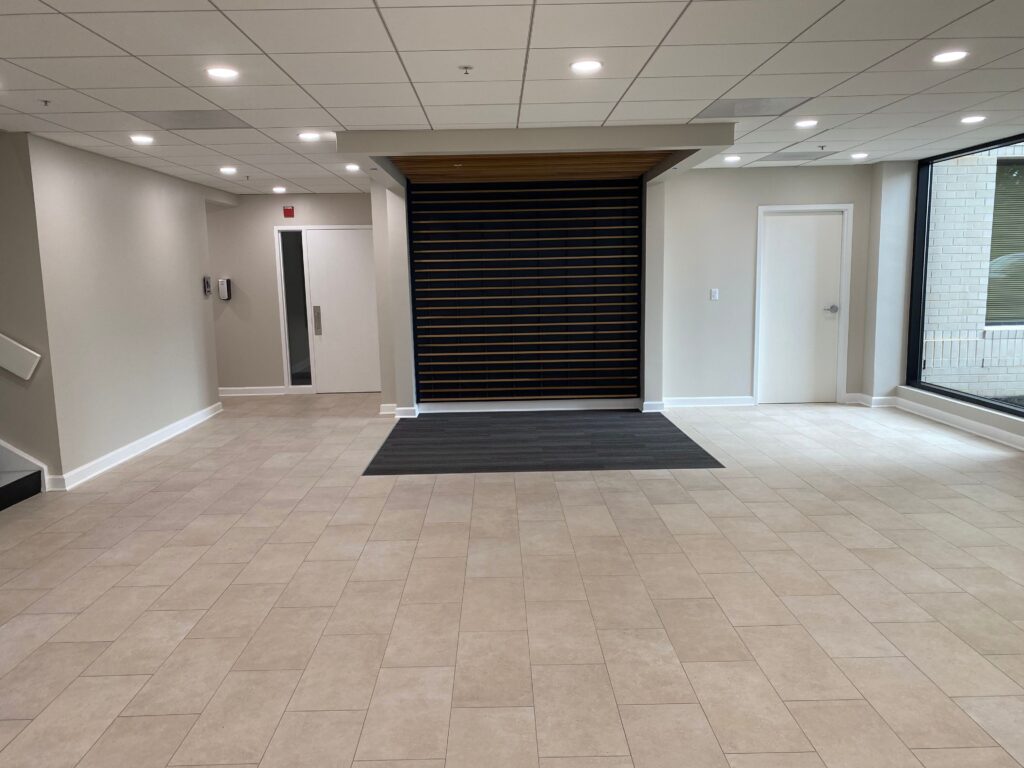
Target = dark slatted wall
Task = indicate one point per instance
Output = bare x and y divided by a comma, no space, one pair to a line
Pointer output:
526,290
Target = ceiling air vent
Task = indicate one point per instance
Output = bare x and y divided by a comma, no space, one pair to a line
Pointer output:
184,119
751,107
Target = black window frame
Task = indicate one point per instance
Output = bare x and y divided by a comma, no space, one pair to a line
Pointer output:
919,274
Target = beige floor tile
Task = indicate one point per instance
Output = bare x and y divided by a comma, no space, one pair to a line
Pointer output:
743,708
973,622
341,674
110,615
384,561
1002,595
238,612
314,740
301,526
435,580
239,545
796,665
545,537
424,635
493,670
874,597
669,576
838,627
933,550
186,682
340,542
787,760
27,689
366,607
499,737
285,640
398,524
787,574
852,533
493,605
850,734
699,631
316,584
495,557
199,587
712,554
687,518
670,735
620,602
146,644
585,762
749,534
587,521
139,742
552,578
135,548
647,536
603,556
163,567
204,531
576,712
905,571
274,564
71,724
443,540
991,757
746,600
643,667
563,633
920,714
954,666
1002,717
14,601
408,715
1012,666
78,593
240,719
822,552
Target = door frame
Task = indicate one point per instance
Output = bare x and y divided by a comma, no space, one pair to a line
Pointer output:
289,388
845,262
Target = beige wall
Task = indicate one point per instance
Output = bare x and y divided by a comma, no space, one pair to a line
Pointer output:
28,418
711,242
242,247
122,251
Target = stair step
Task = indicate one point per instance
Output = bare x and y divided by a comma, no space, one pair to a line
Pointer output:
18,485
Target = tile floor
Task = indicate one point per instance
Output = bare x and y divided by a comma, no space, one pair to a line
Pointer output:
848,592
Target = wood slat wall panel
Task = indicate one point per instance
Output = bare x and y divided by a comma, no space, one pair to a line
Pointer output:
498,169
519,294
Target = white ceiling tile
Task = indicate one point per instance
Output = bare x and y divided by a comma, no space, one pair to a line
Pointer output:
24,6
14,78
445,66
980,51
185,152
73,139
99,72
657,110
284,118
847,105
669,88
788,122
325,68
285,135
559,124
568,91
555,63
461,28
49,35
937,102
258,96
257,154
273,5
101,121
215,136
689,60
81,6
1015,60
477,113
61,100
888,145
375,117
253,69
569,26
809,58
1007,101
437,94
890,83
746,21
154,34
888,20
28,123
816,145
757,147
843,133
770,86
718,161
981,80
564,113
740,126
160,139
364,95
890,122
993,20
150,99
317,31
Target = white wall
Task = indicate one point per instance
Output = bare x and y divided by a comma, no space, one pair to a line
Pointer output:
122,251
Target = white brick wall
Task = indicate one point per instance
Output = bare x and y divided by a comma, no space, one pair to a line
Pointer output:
959,353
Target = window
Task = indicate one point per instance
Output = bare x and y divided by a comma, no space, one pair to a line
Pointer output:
1006,269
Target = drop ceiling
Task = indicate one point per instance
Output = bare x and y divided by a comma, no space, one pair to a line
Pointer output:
90,72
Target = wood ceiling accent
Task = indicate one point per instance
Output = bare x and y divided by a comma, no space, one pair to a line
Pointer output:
528,167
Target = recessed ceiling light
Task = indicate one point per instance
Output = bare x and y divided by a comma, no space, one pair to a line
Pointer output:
586,66
972,119
732,158
141,138
809,123
222,73
948,57
351,167
279,190
859,155
309,136
229,170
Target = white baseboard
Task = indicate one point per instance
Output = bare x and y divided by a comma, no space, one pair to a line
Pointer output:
653,406
77,476
407,411
49,482
700,402
246,391
615,404
973,426
857,398
387,409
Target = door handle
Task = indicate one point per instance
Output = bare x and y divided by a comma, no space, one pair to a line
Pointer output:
832,309
318,329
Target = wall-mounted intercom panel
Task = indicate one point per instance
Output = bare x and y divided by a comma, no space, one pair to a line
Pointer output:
224,288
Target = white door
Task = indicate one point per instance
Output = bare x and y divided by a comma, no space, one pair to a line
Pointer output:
799,307
343,309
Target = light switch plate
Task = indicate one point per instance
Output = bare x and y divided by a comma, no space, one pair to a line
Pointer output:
714,294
